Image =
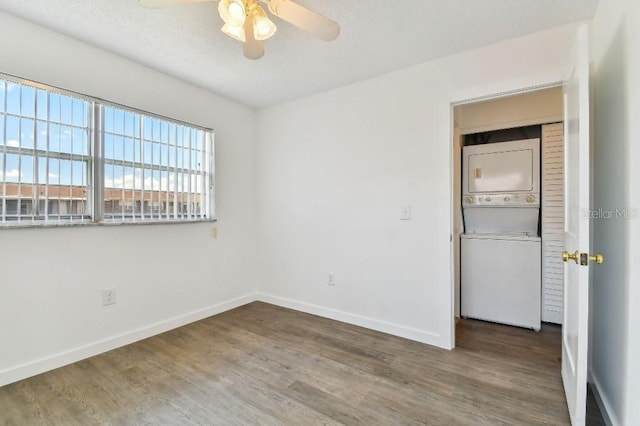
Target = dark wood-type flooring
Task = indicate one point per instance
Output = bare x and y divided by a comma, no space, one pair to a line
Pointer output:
262,364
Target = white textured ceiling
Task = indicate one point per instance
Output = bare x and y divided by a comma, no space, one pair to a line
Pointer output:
377,36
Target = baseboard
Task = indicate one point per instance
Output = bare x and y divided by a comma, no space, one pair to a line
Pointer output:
362,321
33,368
603,403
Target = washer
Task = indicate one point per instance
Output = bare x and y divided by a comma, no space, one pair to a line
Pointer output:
501,278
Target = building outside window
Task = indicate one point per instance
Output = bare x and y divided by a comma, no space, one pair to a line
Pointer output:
67,158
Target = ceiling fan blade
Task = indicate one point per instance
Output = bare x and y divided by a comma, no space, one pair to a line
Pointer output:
157,4
252,48
305,19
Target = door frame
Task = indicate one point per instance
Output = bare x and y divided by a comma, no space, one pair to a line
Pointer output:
495,90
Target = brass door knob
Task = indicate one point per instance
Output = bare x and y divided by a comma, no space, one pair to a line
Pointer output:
566,256
582,258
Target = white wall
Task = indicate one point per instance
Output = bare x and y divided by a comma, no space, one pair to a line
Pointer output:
539,107
165,275
335,169
615,295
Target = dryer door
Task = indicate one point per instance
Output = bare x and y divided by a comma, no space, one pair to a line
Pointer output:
512,167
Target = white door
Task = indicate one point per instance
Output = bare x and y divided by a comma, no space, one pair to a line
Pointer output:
576,231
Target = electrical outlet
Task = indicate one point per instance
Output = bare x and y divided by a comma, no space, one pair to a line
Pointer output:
331,279
108,296
405,213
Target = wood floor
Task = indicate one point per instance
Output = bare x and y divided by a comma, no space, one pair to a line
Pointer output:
261,364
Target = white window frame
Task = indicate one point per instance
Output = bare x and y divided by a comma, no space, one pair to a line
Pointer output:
95,175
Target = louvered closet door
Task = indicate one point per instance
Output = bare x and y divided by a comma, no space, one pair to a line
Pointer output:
552,222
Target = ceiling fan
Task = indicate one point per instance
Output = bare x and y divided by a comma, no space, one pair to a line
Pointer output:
246,20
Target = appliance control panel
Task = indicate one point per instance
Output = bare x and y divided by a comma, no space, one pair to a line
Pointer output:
501,200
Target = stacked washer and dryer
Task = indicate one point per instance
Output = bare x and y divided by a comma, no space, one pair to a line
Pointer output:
500,249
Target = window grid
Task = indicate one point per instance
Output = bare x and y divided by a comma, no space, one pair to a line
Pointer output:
151,163
27,156
52,145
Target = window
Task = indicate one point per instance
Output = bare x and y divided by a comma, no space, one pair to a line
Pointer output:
44,154
67,158
154,169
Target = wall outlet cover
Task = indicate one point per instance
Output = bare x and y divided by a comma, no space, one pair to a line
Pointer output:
108,296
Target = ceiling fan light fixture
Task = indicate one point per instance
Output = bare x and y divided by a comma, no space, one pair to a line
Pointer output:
247,22
263,27
232,12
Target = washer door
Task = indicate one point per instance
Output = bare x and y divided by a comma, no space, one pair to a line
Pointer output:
500,280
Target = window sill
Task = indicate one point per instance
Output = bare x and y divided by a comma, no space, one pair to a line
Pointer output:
80,224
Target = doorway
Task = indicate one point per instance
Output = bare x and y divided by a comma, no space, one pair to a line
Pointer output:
533,115
451,132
